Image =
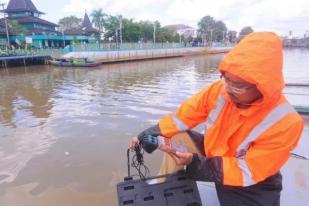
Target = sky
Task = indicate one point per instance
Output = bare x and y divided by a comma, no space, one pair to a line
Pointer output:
280,16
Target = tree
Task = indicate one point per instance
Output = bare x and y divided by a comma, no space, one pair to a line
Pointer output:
232,36
166,35
146,30
210,29
98,18
133,31
245,31
69,22
111,26
206,24
219,31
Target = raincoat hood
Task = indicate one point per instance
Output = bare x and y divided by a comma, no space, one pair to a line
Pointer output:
258,59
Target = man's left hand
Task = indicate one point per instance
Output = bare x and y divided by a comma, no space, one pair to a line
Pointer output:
182,158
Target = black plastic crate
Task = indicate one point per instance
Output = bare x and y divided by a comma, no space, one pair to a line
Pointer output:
175,190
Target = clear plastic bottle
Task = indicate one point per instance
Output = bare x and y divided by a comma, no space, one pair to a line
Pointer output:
169,145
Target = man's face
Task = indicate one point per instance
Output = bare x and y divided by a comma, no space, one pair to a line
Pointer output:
241,92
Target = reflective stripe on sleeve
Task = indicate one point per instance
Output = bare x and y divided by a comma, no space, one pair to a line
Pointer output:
213,115
181,126
246,173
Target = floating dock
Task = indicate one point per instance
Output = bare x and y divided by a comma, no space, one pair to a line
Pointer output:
8,61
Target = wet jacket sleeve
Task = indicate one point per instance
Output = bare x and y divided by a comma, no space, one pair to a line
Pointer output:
190,113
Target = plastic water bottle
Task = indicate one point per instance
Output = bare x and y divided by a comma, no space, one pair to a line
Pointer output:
170,145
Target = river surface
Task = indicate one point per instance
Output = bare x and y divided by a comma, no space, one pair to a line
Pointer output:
64,132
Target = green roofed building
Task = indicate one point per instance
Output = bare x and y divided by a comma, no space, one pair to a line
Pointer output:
26,26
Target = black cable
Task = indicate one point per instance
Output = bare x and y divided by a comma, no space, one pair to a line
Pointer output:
128,162
138,163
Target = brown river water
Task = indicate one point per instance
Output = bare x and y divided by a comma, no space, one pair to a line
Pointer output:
64,131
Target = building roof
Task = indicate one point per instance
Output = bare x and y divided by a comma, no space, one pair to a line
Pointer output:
85,29
73,31
21,5
80,31
87,26
178,26
86,22
30,19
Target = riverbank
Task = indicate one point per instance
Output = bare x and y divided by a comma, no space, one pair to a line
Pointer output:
107,56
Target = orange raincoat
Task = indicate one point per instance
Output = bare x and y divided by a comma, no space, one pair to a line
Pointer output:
252,143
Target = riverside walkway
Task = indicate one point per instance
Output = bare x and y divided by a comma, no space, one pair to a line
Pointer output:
143,54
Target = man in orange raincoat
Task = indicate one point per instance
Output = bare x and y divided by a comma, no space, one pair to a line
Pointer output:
250,127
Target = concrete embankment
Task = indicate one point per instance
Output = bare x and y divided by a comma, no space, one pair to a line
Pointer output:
132,55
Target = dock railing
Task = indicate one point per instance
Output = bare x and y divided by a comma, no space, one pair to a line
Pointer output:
57,52
140,46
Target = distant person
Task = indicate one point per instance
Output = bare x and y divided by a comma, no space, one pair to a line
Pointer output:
250,126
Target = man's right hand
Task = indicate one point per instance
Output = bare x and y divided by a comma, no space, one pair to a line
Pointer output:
153,131
133,143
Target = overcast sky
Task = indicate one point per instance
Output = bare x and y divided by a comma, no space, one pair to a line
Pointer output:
274,15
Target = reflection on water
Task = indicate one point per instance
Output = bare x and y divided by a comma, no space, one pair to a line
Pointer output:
296,70
64,132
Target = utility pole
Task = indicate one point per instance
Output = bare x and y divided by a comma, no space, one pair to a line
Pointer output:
211,30
154,33
116,35
223,36
6,28
120,28
62,29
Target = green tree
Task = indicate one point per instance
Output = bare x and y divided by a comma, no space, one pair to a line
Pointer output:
111,26
232,36
210,29
146,30
69,22
206,27
167,35
133,31
98,18
219,31
245,31
206,24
